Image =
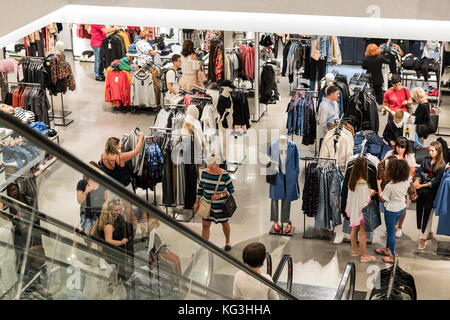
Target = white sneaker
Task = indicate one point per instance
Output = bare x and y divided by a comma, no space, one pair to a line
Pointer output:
102,264
398,233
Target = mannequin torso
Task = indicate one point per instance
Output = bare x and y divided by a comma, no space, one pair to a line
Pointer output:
283,153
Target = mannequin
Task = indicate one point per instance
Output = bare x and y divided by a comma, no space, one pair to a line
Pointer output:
59,47
225,109
285,153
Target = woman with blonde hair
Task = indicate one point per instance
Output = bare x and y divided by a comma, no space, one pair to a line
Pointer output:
111,225
114,164
373,63
422,112
144,50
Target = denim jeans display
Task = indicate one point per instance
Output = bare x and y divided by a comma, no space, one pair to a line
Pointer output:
285,210
322,194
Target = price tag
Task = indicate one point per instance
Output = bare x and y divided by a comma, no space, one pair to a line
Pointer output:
117,79
20,73
109,45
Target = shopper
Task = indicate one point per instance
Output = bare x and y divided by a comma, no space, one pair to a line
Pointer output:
396,98
91,196
173,85
403,151
373,63
113,163
111,225
393,196
328,111
245,286
98,33
144,49
208,181
422,112
394,129
189,66
359,196
427,181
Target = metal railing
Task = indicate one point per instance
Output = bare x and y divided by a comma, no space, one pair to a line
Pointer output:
286,259
349,275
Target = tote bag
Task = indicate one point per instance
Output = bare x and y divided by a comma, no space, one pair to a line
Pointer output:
204,206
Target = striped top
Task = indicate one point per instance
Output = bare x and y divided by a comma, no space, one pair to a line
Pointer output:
206,189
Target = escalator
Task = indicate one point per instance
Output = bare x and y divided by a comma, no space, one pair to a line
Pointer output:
345,290
45,256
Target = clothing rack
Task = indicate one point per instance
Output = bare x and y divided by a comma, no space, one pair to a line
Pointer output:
313,233
27,84
60,114
166,131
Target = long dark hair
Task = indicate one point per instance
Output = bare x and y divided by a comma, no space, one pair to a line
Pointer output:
439,156
188,48
359,171
404,143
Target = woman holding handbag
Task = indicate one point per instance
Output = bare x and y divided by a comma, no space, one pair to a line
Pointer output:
214,188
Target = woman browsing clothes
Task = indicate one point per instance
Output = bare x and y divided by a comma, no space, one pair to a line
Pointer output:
208,182
189,67
427,181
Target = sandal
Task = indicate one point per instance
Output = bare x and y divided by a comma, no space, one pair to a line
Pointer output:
430,236
356,254
388,259
370,259
382,252
422,248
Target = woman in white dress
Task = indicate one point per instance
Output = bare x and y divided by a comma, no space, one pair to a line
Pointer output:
359,196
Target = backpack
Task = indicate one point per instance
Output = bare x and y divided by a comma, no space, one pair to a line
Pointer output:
162,82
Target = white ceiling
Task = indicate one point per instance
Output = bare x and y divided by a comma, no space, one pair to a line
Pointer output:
241,21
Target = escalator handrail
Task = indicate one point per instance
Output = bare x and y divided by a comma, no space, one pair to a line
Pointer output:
68,241
286,258
38,139
349,275
269,264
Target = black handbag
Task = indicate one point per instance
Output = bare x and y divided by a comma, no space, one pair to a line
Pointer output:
229,206
430,126
271,177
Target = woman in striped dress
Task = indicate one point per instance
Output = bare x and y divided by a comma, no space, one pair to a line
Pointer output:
206,187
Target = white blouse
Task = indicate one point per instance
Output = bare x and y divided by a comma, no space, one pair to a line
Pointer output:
189,66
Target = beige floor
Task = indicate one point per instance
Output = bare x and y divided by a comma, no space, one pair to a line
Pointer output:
316,262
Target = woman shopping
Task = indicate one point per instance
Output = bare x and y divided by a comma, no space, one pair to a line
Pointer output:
144,50
394,195
427,181
422,113
396,98
113,163
359,196
209,180
373,63
189,67
403,151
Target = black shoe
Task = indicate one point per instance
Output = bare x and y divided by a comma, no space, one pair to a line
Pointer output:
100,78
227,248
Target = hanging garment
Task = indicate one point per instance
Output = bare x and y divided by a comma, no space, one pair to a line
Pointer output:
117,87
338,146
142,90
287,186
61,73
442,207
268,87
